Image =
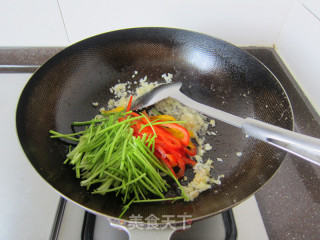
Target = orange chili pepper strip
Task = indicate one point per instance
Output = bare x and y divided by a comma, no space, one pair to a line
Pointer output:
115,110
163,118
185,134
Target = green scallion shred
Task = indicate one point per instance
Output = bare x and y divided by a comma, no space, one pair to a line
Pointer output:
108,158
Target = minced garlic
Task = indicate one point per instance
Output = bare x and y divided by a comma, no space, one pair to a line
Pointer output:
95,104
201,180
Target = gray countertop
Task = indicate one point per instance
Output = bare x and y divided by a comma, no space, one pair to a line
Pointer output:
290,201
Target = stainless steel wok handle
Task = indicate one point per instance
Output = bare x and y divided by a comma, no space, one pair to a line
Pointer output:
141,233
296,143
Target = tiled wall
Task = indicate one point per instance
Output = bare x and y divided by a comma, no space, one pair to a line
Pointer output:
299,46
61,22
31,23
244,23
292,26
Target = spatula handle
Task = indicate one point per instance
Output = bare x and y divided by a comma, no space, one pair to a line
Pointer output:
301,145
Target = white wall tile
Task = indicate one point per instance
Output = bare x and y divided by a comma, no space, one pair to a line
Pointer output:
244,23
31,23
298,45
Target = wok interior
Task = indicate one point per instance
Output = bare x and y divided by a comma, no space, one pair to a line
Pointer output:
213,72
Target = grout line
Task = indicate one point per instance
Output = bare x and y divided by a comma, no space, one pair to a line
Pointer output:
64,23
309,10
18,66
283,23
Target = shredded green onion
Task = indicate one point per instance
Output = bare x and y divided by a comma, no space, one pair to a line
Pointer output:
108,158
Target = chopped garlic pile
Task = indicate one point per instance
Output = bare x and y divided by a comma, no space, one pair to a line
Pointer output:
122,91
201,181
195,121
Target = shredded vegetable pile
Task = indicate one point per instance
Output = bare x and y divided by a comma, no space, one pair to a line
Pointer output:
128,153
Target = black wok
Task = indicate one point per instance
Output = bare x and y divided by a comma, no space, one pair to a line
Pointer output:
213,72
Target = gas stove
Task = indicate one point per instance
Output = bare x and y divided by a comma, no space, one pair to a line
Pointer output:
62,219
72,222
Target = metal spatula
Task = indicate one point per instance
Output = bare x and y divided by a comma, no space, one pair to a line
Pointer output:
301,145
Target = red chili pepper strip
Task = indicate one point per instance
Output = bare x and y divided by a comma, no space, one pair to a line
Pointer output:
143,120
191,152
165,161
121,119
176,153
168,143
191,149
188,161
182,167
138,133
172,144
172,160
161,151
168,164
135,114
129,104
185,134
